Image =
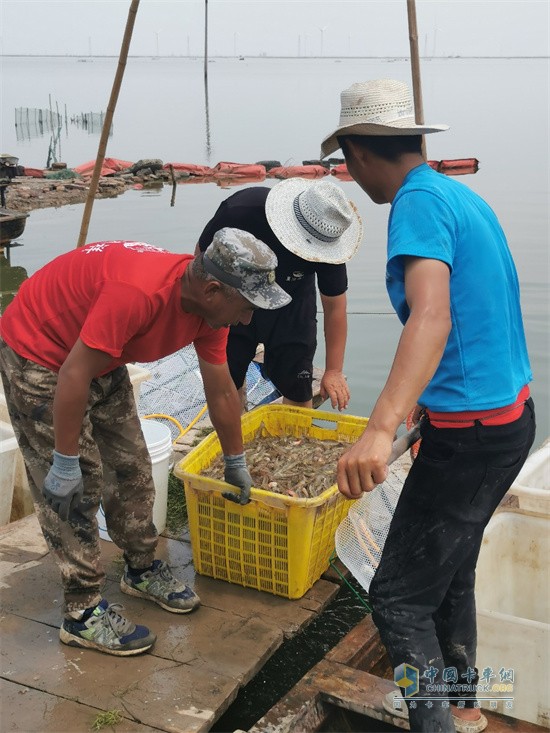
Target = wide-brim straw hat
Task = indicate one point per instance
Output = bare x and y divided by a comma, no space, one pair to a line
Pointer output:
314,220
379,107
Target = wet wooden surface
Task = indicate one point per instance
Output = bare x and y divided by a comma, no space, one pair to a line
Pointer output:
193,673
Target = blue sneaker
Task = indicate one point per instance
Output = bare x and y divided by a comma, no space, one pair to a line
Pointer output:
159,585
104,629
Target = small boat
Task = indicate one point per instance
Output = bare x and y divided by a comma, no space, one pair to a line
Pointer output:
12,225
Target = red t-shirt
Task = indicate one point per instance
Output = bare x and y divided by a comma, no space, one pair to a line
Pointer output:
123,298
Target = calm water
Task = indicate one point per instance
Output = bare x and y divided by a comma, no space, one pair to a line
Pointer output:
281,109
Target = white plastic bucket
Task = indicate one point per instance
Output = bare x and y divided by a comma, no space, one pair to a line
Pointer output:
8,452
159,444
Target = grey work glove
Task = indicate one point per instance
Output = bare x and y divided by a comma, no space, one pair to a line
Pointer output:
63,486
236,473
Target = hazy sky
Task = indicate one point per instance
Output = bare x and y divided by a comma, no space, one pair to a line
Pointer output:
277,27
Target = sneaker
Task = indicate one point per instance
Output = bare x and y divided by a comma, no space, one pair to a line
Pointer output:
104,629
395,704
159,585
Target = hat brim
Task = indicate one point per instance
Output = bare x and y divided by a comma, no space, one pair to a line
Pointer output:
269,297
402,127
279,210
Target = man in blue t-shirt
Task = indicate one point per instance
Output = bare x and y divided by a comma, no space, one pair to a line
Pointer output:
462,359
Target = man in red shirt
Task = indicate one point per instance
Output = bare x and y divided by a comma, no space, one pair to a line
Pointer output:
64,343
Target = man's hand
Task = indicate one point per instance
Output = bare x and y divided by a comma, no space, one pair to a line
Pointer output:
365,465
63,486
236,473
335,387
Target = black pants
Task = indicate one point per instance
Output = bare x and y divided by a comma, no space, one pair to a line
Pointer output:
289,336
423,590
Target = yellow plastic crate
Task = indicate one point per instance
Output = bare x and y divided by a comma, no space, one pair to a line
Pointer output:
279,544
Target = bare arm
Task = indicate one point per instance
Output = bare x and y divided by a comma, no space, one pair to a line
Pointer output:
333,383
72,393
224,406
417,357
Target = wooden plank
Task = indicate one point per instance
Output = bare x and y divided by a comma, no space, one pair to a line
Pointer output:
155,692
355,690
25,709
301,710
360,648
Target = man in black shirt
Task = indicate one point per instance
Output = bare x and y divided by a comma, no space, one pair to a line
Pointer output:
313,230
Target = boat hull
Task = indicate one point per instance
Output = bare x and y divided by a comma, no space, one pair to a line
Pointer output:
12,225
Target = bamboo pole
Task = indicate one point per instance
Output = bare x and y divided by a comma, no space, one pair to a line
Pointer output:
415,67
107,122
174,185
205,41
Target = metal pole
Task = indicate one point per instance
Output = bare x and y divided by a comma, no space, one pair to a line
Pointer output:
415,67
108,121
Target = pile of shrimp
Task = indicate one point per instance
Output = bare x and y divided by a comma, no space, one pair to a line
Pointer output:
300,467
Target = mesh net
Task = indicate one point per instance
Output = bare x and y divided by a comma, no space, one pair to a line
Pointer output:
175,387
361,535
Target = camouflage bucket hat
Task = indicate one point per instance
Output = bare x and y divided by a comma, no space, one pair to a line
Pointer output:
236,258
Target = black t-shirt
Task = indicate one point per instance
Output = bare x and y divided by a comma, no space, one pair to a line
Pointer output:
245,210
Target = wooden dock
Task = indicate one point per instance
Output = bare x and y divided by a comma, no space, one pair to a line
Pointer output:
191,676
188,680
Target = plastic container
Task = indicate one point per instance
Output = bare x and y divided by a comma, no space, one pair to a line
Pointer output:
512,597
276,543
137,376
532,486
159,444
8,454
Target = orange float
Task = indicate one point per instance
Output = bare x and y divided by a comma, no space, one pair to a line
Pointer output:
298,171
240,170
341,172
191,168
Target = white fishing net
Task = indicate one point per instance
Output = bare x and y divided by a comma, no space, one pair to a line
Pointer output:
361,535
176,389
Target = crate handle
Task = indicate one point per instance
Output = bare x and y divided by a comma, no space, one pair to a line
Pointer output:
324,424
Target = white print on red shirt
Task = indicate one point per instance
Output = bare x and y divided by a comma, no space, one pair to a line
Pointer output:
134,246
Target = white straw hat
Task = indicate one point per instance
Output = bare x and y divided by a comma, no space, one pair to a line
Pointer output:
314,220
379,107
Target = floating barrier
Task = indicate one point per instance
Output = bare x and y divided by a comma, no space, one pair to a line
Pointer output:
33,172
458,167
298,171
109,168
192,168
230,170
227,173
340,171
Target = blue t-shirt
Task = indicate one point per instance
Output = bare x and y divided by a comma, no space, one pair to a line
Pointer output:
485,362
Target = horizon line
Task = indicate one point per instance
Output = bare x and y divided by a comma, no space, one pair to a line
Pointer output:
254,56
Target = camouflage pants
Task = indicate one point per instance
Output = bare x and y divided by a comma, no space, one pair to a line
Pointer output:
116,469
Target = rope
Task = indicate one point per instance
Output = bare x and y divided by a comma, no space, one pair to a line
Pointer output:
331,560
